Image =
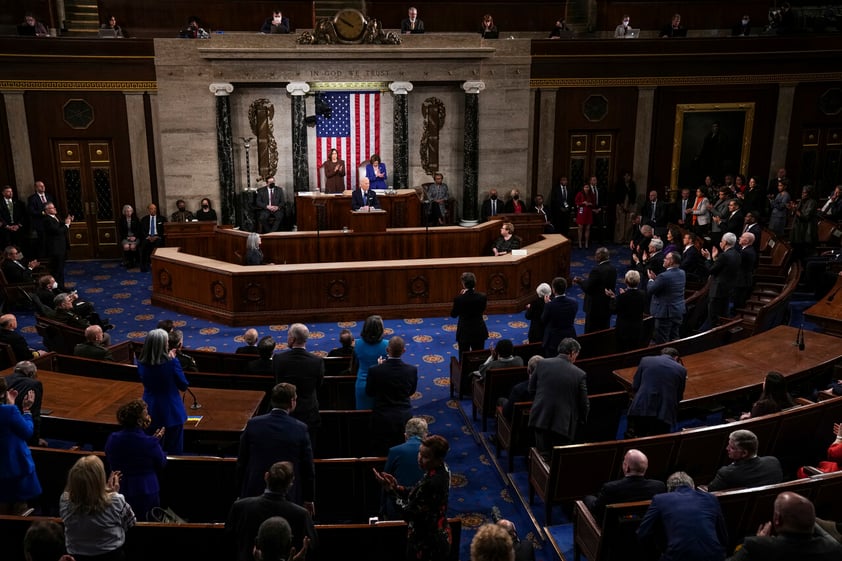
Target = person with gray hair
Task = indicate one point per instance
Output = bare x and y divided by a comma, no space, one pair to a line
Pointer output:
253,254
402,462
93,346
685,523
561,398
630,306
163,379
746,469
176,341
534,310
666,292
250,338
652,259
22,379
724,269
64,313
492,542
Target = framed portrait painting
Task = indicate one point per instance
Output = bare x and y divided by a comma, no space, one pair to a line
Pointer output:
710,139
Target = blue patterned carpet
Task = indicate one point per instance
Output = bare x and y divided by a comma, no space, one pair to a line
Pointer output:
478,482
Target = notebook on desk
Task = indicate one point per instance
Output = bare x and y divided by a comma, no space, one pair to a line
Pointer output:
107,33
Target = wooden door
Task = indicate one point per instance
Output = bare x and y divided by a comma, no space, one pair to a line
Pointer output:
86,184
591,153
821,158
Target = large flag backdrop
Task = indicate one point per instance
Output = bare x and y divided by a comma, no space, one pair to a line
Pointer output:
353,129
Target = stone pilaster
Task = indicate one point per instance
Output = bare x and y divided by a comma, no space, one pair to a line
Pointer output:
470,213
19,142
400,146
300,164
225,153
780,140
138,135
643,139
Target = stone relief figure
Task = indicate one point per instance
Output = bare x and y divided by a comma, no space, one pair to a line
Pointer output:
261,113
433,113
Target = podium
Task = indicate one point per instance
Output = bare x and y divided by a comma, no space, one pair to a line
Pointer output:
369,221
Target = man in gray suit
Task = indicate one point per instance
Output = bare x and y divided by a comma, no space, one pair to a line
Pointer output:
658,386
269,201
667,293
725,270
561,398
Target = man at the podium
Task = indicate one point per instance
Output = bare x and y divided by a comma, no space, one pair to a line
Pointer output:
364,198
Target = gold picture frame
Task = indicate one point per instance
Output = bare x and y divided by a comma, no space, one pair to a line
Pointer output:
697,151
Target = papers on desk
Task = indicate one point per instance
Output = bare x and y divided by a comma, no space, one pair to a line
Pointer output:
519,253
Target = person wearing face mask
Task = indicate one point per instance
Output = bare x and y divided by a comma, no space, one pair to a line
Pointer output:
514,204
181,214
47,291
206,213
742,28
491,206
276,24
624,28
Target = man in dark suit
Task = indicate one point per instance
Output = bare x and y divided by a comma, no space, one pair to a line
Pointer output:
746,469
263,364
305,371
277,437
23,379
666,291
14,218
363,197
630,305
658,386
412,24
8,335
655,214
491,206
248,513
632,487
402,462
151,235
93,346
748,260
686,523
561,201
269,201
752,227
725,270
735,221
391,383
250,338
692,262
597,303
652,260
558,317
561,398
469,307
14,269
65,313
35,206
56,242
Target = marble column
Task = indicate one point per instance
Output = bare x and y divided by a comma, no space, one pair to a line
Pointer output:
136,119
225,153
470,213
783,119
643,139
19,141
400,133
300,164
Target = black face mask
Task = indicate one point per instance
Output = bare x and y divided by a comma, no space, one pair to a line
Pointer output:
493,197
205,207
516,197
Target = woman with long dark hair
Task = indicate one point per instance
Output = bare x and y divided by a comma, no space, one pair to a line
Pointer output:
774,397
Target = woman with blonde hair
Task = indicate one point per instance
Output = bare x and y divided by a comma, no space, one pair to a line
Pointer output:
95,514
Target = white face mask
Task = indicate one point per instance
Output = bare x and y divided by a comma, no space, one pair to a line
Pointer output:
276,19
625,22
54,285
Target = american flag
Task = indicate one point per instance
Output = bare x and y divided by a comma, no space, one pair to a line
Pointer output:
353,129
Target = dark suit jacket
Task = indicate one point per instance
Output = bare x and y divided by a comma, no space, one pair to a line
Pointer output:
630,306
90,350
16,272
55,233
628,489
259,366
123,227
519,393
734,223
659,387
536,325
305,371
405,26
402,462
485,209
693,264
19,217
391,384
667,292
469,308
558,317
270,438
657,217
36,210
725,272
261,198
23,384
561,396
247,514
17,342
358,200
597,304
786,547
748,260
753,472
159,228
247,349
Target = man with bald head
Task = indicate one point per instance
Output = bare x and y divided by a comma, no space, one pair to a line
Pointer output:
792,534
8,335
632,487
93,347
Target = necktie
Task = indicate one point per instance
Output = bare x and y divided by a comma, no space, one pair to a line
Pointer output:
564,194
271,194
493,207
412,24
43,198
152,226
11,208
595,196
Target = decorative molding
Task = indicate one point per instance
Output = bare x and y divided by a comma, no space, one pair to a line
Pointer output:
473,86
346,86
654,81
221,89
96,85
400,88
298,88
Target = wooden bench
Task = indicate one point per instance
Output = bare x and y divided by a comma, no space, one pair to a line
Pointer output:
381,542
514,435
57,336
577,470
615,537
7,357
765,310
460,373
496,383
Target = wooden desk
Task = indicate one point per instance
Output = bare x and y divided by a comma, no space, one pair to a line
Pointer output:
330,212
194,237
96,400
742,367
368,222
827,312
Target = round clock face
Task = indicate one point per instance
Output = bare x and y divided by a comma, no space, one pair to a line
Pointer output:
349,24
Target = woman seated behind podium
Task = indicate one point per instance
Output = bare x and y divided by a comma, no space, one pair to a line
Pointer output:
137,456
774,397
507,240
375,171
253,254
162,378
334,173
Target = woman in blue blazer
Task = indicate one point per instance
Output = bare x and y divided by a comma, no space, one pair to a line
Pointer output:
18,480
375,171
162,378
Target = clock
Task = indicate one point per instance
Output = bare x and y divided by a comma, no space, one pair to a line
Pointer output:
350,25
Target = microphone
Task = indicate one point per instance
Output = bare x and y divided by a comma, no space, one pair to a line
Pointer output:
196,404
799,338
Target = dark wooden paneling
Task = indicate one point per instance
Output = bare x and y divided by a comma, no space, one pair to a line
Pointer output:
533,15
700,14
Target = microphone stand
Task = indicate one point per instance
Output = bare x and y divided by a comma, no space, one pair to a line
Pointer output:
799,338
196,404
